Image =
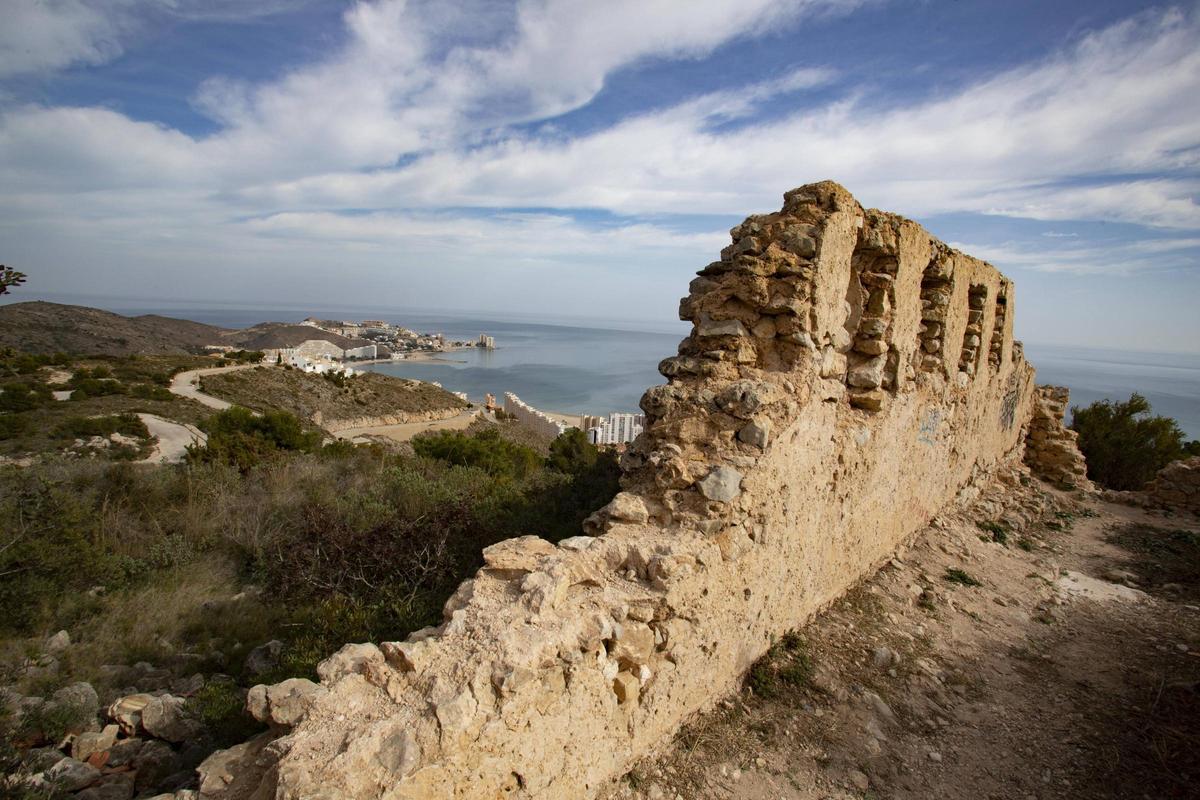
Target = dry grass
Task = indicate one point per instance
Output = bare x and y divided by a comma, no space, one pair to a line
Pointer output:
305,395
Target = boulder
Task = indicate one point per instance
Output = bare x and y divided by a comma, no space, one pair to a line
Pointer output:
153,764
118,786
90,742
520,554
127,712
124,751
225,771
756,432
627,507
722,484
72,775
165,718
283,704
264,658
58,643
352,658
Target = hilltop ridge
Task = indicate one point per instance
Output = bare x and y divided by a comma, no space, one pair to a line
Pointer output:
41,327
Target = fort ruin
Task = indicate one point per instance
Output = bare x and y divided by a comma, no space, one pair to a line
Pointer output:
847,376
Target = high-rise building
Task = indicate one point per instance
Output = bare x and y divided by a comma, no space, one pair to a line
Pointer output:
617,429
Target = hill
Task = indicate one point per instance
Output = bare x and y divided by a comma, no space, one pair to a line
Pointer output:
40,327
326,399
272,335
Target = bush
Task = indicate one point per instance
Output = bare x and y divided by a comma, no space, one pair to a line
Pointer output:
12,427
1126,444
95,387
23,396
145,391
240,438
82,427
486,450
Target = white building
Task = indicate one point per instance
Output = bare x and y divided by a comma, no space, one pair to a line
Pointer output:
617,429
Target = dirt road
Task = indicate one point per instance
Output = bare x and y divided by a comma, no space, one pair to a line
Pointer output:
187,384
1031,646
406,431
173,439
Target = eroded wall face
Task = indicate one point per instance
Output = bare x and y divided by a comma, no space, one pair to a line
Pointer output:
846,377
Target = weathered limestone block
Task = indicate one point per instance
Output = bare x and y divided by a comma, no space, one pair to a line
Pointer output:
761,489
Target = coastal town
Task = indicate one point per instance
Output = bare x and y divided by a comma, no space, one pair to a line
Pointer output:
335,347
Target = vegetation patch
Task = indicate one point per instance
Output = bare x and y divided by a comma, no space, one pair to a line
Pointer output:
311,396
1126,444
786,665
956,575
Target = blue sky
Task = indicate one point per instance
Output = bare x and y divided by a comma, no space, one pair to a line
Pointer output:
586,158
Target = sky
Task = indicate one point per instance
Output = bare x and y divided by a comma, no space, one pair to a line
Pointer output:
584,159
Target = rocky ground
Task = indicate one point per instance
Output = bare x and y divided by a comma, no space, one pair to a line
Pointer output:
1030,644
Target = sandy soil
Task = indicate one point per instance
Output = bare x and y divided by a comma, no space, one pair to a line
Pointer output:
1070,671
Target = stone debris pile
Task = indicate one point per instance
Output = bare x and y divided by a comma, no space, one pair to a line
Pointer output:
142,744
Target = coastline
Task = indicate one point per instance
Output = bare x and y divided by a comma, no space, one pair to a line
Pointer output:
419,355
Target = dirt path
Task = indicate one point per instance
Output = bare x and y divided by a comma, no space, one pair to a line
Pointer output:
187,384
1070,671
173,439
406,431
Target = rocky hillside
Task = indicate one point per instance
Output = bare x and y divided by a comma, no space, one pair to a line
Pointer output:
40,327
325,399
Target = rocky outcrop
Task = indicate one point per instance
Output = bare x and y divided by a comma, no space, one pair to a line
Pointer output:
1177,486
830,399
1051,448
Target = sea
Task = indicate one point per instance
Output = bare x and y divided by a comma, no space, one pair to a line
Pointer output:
598,366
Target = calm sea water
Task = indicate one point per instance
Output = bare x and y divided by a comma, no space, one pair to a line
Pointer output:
600,367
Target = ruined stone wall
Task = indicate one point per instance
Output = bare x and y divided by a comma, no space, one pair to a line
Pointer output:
1051,448
1177,486
846,376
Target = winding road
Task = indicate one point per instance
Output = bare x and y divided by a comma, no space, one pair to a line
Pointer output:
173,439
187,384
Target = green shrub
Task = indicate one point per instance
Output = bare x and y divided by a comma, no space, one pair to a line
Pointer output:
144,391
221,706
955,575
238,437
95,387
786,664
82,427
998,531
1126,444
486,450
12,426
23,396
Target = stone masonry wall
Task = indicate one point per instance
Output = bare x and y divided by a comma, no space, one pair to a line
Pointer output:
1177,486
846,377
1051,448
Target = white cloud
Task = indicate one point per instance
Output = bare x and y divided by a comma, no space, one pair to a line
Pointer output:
1139,257
46,35
49,34
1056,140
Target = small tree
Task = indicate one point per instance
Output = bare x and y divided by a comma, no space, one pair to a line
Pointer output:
1125,444
9,277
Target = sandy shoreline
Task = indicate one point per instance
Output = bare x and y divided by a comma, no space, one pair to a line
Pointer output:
439,356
